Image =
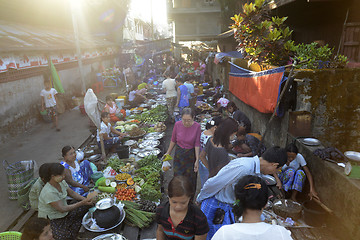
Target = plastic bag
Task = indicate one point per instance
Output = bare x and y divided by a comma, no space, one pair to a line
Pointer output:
91,107
79,155
109,172
165,166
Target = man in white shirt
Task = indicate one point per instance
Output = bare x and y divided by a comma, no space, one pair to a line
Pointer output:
169,85
48,102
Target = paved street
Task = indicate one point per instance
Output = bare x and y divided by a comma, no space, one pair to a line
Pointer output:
42,144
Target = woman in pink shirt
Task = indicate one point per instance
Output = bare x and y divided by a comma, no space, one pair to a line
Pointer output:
186,137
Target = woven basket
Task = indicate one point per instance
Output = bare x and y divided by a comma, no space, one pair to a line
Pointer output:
10,235
18,175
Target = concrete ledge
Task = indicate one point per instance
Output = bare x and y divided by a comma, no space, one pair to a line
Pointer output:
337,191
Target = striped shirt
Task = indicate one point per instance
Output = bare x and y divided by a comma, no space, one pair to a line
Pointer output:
194,223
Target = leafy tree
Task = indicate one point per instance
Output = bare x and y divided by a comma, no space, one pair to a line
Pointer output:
264,38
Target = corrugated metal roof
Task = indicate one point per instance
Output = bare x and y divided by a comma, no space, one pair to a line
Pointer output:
17,37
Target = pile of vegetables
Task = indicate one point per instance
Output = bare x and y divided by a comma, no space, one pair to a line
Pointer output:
105,185
151,160
136,131
115,163
138,192
148,178
125,194
154,115
126,126
135,216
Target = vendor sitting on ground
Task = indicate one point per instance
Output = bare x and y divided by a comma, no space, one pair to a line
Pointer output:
106,130
136,97
77,174
38,186
293,174
247,145
65,220
115,113
239,116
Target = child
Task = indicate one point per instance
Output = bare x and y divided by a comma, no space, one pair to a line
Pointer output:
179,218
38,186
48,102
113,110
105,130
293,174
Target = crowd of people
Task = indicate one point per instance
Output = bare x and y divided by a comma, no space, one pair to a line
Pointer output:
230,189
232,193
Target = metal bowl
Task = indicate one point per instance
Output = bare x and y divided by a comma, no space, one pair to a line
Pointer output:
270,180
135,150
149,143
130,143
154,136
310,141
105,203
110,236
87,223
353,156
156,151
95,158
144,154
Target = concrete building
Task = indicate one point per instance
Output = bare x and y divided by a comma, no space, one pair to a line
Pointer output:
195,20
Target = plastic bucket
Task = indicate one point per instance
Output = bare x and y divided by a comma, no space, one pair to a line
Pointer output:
123,151
122,97
314,214
120,103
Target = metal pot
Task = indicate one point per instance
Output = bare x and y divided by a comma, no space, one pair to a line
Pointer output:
107,218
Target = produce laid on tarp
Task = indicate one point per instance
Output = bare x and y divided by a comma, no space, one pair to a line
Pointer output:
135,185
153,116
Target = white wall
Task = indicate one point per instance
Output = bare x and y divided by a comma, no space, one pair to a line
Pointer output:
20,100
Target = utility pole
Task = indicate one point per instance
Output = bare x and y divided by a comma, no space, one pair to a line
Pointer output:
152,20
77,43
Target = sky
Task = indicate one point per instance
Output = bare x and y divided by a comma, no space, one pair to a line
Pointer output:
142,9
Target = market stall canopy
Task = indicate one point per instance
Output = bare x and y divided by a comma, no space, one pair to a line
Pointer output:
220,57
19,37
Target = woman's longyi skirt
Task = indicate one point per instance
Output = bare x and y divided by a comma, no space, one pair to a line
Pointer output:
184,160
67,228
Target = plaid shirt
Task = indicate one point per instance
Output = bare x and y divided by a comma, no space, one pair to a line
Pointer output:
194,223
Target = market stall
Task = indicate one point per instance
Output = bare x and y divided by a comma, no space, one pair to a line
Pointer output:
129,181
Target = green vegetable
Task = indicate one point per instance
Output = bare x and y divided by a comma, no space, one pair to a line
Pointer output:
150,194
137,217
115,163
107,189
100,182
150,160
